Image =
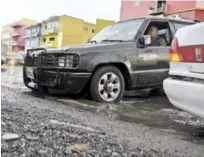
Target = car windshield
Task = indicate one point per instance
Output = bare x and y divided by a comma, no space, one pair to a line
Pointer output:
122,31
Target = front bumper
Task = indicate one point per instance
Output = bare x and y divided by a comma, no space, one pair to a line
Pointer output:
185,95
57,80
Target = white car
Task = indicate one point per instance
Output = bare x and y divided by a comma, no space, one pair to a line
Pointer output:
185,85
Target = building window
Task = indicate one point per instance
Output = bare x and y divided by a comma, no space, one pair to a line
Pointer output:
93,31
85,28
33,30
138,3
38,29
28,32
44,40
52,39
27,42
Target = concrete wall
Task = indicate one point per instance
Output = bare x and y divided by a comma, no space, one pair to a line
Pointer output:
175,6
199,4
132,9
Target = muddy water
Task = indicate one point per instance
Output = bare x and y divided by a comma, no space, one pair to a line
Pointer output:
156,112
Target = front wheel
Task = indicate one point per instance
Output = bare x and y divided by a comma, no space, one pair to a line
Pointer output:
107,85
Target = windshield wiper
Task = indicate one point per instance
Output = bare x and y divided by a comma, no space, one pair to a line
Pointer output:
92,41
108,40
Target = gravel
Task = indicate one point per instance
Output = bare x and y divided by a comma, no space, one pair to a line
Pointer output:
10,136
45,128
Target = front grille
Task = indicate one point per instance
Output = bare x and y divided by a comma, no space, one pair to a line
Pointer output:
37,61
50,60
53,60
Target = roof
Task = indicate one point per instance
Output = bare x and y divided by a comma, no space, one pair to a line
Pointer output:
35,25
162,18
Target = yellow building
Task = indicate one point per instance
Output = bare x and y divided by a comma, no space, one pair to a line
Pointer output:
88,31
101,23
58,31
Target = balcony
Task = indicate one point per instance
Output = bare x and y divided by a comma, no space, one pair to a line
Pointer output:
17,33
18,42
158,10
49,30
34,34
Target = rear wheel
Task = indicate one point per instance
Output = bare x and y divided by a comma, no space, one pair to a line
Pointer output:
107,85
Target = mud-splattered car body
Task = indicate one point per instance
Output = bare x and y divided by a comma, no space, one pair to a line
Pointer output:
70,69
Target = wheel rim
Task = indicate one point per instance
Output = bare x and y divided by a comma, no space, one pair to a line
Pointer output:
109,87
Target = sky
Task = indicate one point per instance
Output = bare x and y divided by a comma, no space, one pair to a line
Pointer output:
89,10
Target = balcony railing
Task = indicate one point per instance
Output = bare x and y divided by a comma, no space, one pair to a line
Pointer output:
17,33
35,33
19,42
49,31
14,43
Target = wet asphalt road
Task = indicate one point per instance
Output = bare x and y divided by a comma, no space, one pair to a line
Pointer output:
141,122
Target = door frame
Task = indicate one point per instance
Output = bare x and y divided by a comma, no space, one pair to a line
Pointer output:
135,73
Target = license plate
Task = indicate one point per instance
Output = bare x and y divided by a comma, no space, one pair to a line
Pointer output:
29,72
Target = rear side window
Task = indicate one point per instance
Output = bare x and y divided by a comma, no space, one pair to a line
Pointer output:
178,25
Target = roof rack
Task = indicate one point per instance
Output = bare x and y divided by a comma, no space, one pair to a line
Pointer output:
176,16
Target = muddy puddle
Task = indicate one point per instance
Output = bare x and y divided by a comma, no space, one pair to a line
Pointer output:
140,108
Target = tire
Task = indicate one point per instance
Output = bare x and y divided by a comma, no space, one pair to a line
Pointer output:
112,87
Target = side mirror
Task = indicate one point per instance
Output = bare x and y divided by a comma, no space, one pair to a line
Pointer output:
144,40
147,39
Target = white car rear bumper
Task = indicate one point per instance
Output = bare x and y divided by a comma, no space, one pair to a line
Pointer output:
188,96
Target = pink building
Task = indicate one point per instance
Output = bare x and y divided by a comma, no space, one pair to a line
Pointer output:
187,9
18,40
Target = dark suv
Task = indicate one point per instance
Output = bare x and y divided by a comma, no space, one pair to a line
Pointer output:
117,59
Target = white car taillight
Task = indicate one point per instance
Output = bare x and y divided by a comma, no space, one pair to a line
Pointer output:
187,53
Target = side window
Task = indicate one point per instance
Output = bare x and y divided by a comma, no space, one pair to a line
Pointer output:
179,25
157,33
52,39
43,39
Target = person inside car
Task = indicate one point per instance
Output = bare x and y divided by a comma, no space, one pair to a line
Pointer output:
156,40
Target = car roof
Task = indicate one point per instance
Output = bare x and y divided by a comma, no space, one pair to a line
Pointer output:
162,18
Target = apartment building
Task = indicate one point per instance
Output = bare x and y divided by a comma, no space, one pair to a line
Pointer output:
18,34
32,36
58,31
6,39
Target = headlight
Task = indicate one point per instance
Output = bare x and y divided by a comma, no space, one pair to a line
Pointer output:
70,61
61,61
12,62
